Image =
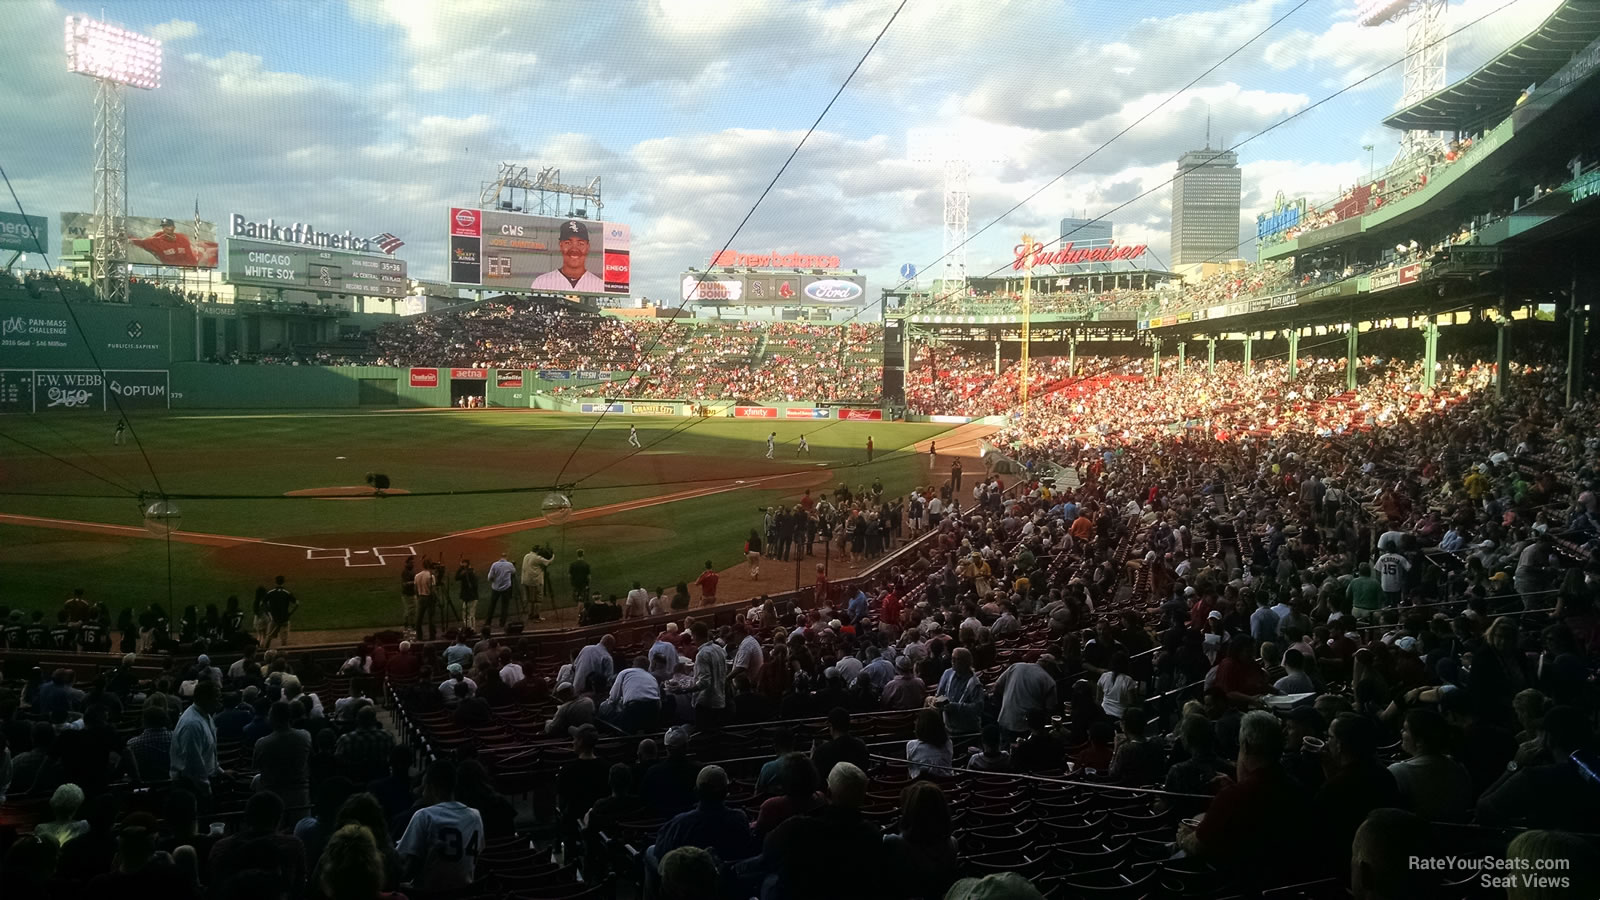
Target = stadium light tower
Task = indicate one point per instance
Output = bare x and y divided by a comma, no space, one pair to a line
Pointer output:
1424,71
116,59
955,153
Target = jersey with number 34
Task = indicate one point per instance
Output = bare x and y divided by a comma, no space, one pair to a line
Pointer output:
447,837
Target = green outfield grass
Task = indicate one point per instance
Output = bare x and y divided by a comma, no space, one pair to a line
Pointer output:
264,456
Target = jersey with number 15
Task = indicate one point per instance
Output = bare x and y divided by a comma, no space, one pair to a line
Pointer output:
447,838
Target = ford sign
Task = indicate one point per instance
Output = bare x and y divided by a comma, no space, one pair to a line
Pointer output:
833,290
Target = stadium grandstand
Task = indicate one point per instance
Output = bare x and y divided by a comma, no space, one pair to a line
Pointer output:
1311,616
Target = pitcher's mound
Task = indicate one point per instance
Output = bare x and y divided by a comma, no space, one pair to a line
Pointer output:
345,492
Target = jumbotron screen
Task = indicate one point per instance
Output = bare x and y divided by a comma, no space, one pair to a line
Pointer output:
517,252
154,242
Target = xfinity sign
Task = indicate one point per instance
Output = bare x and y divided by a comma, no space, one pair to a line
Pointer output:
295,233
832,290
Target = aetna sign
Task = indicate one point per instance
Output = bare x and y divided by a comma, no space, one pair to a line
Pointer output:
1068,256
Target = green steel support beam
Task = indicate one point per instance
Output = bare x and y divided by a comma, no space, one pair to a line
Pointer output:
1430,354
1294,352
1351,348
1211,356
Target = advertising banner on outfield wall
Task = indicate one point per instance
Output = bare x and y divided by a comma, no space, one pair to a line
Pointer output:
469,374
41,390
655,409
796,412
600,407
41,334
861,415
755,412
508,378
424,378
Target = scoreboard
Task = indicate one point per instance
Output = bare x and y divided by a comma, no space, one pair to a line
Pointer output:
265,264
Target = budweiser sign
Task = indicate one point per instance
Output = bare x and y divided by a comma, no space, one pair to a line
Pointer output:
774,260
1066,256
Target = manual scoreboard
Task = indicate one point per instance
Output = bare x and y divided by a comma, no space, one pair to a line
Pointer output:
270,265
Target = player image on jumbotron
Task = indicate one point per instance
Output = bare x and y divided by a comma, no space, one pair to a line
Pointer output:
574,274
172,247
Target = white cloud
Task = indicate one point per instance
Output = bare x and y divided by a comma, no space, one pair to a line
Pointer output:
174,30
690,106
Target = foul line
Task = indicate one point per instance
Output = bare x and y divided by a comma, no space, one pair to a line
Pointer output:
225,540
187,537
613,508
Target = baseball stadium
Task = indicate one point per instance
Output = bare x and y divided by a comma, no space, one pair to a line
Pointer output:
817,500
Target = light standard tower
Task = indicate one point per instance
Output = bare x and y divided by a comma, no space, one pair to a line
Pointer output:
115,58
1424,70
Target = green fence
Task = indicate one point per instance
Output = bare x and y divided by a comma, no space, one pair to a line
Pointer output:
46,334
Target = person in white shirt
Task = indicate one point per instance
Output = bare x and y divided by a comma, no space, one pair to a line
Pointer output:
502,575
635,700
710,679
533,572
663,660
510,672
447,688
633,436
245,663
440,846
1393,539
935,511
1025,687
637,603
1392,569
748,657
595,659
574,274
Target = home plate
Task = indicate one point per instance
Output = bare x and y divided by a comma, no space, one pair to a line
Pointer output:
338,457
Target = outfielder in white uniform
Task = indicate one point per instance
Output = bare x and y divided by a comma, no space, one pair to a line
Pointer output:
633,436
772,443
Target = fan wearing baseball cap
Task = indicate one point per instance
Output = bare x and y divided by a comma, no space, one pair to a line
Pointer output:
574,275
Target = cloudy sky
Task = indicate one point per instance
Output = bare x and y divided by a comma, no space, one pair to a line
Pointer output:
378,115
